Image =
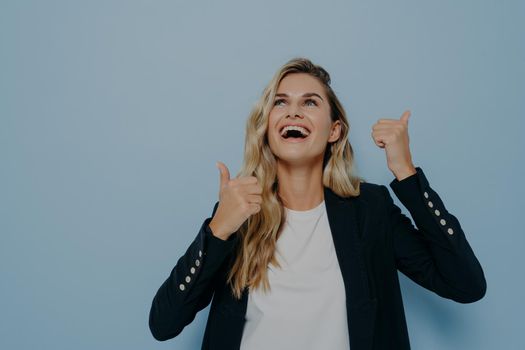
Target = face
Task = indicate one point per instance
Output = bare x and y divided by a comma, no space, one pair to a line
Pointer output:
301,99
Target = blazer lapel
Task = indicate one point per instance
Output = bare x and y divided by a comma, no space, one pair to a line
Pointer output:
345,216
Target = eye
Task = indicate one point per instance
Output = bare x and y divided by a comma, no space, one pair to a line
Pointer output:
277,101
311,100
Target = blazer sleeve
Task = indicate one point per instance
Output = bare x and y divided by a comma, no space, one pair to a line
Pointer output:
436,255
190,285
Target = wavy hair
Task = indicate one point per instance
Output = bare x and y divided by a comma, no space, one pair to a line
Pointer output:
257,236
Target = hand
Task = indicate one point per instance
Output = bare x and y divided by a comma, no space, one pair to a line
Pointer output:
392,135
238,200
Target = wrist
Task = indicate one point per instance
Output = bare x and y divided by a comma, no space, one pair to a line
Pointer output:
215,231
403,173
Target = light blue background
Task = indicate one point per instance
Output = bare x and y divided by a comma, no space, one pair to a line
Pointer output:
113,114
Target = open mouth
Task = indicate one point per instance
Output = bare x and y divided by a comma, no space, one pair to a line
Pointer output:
294,133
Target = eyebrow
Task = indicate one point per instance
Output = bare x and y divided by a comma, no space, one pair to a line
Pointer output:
308,94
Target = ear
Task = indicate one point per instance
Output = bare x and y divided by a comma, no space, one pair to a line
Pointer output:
335,131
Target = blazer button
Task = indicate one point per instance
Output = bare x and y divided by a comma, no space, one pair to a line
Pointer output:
430,204
425,194
200,253
188,279
192,270
437,212
442,222
182,287
450,231
197,262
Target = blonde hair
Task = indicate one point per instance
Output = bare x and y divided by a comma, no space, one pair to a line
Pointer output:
258,235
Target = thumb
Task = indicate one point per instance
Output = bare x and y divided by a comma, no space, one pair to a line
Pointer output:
225,174
405,116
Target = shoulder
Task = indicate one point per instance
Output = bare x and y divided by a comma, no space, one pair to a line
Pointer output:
369,193
372,191
372,197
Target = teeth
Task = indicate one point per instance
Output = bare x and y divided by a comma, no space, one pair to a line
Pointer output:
298,128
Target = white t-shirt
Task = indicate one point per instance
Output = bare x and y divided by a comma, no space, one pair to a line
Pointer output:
306,307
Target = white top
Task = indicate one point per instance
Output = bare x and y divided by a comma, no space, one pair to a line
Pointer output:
306,306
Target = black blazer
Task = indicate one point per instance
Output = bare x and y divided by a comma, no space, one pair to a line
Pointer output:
373,240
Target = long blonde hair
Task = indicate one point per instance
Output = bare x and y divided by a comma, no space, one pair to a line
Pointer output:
258,235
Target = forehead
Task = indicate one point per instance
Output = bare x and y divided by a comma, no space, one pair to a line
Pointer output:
299,83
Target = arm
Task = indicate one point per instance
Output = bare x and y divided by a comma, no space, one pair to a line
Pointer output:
190,286
437,255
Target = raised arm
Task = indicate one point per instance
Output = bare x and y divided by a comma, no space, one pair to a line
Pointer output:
436,255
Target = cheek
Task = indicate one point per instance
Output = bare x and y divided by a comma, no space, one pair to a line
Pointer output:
322,125
271,123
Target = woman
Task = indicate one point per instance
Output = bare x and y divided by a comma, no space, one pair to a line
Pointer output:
299,252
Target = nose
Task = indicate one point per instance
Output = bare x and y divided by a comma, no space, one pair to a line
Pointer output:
293,110
295,116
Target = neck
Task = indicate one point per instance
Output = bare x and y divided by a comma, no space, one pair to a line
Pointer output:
300,186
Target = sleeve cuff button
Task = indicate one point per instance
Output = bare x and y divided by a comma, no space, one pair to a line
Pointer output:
182,287
425,194
450,231
442,222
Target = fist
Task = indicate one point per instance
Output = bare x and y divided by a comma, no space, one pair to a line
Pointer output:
239,198
392,136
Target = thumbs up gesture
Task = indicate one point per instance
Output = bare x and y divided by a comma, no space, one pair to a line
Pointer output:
392,135
239,198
